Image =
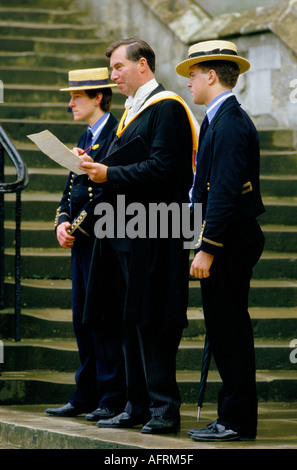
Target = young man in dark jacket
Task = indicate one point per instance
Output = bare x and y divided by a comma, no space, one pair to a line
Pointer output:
100,379
231,241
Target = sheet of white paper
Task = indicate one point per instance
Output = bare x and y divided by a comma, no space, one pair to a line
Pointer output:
53,148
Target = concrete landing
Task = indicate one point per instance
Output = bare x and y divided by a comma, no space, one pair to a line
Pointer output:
27,427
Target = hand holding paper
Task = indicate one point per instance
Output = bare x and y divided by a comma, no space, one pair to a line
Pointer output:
51,146
95,171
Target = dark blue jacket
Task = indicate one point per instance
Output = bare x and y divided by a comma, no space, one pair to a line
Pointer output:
227,176
81,195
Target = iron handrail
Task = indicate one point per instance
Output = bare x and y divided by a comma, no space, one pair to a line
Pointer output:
22,180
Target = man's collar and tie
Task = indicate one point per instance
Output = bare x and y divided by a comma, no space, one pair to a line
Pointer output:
133,104
203,128
89,139
94,131
210,112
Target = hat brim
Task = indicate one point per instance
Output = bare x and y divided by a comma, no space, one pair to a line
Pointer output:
183,68
90,87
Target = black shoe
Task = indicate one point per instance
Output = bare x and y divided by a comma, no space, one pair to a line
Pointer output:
214,432
161,425
67,410
193,431
123,420
100,413
241,437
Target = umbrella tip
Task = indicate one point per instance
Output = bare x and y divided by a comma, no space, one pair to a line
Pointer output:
198,413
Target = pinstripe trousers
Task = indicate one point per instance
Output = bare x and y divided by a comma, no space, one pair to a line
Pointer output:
150,362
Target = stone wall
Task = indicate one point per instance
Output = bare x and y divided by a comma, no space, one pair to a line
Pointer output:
219,7
265,35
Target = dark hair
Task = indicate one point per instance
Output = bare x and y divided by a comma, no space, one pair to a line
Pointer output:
105,104
137,48
226,70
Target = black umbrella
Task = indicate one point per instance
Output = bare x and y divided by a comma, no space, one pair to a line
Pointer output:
204,372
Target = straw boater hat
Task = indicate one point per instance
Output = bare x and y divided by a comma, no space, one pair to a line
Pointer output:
212,50
88,79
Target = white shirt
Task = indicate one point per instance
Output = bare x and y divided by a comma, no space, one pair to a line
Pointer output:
135,103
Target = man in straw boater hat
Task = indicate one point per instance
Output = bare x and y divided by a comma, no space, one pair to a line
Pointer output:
100,379
150,161
231,241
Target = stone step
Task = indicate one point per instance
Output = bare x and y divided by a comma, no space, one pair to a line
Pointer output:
32,96
66,131
279,211
33,234
277,238
35,206
45,323
45,4
280,237
39,15
42,293
60,60
61,354
33,76
54,387
45,111
57,31
38,323
279,186
277,139
53,179
41,263
51,45
278,265
28,427
52,263
278,162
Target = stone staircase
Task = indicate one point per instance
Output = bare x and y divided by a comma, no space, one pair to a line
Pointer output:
38,46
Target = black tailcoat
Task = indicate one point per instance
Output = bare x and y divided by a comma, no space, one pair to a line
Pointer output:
158,283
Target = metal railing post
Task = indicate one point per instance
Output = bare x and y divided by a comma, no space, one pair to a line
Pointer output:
2,213
14,187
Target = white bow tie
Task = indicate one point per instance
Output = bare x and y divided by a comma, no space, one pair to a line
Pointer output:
129,102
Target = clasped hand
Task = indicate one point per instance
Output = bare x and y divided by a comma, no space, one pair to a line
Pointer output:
97,172
201,265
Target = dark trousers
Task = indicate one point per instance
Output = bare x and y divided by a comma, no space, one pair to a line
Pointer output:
225,304
150,363
100,378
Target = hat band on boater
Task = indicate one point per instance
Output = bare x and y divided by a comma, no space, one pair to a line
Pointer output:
213,52
88,83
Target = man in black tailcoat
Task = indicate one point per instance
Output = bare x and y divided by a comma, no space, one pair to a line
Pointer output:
150,161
